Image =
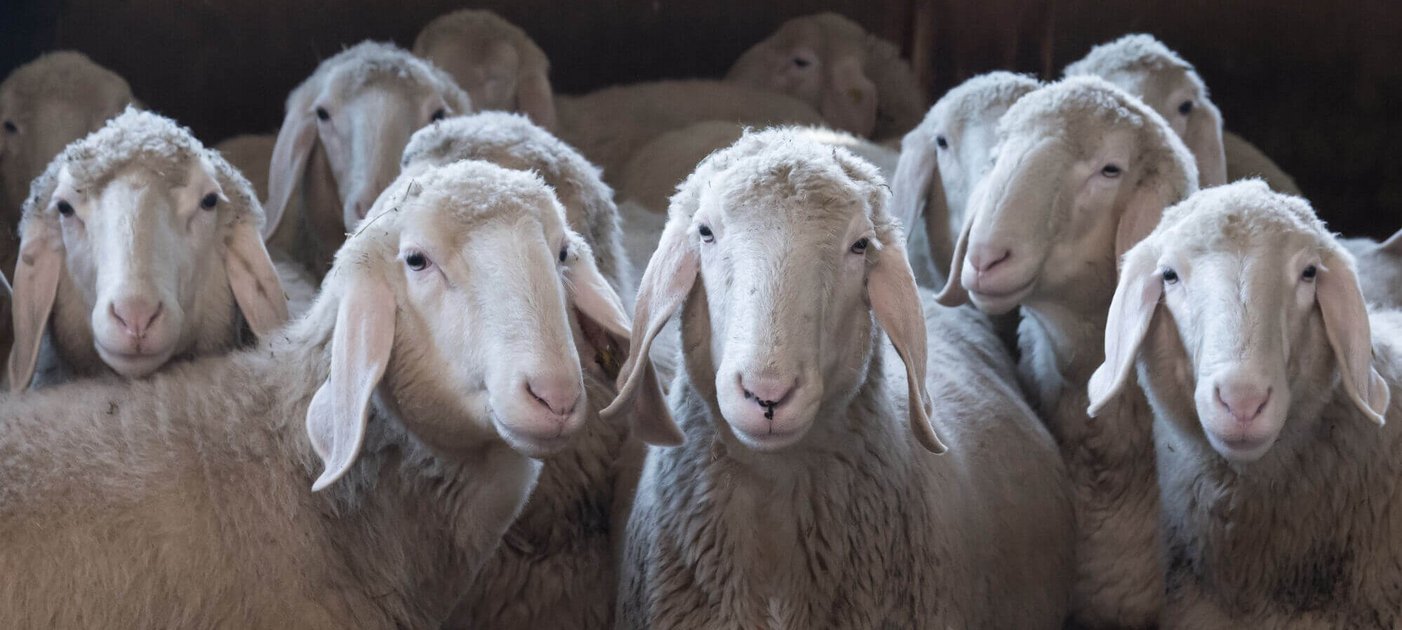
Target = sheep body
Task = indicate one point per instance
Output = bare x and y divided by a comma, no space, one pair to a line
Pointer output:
1379,268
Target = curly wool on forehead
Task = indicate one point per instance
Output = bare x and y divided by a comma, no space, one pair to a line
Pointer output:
1238,214
1074,108
785,168
506,138
1132,53
470,191
157,142
974,97
65,75
369,62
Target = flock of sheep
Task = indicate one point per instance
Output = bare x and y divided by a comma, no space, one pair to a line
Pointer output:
1104,387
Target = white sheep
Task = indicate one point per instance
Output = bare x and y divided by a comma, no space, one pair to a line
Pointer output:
857,80
1379,269
943,157
514,142
340,142
1082,171
437,363
497,63
46,104
556,567
1268,380
1146,68
799,498
139,246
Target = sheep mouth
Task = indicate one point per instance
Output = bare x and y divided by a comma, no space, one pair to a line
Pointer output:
771,440
532,445
1004,300
134,364
1241,448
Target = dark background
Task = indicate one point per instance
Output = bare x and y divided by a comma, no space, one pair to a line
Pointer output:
1316,85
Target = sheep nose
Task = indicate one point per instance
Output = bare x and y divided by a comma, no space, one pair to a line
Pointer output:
557,392
984,257
767,392
1244,401
136,315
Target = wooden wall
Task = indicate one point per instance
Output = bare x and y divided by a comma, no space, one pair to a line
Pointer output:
1316,85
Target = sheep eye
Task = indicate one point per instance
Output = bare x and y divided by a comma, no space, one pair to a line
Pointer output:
1309,273
706,235
65,208
1170,276
10,127
438,115
564,252
1111,171
1185,108
941,142
860,247
801,62
322,114
416,261
209,201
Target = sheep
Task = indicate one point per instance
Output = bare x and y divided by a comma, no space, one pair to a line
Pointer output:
251,155
498,64
1081,172
427,384
556,568
1379,268
345,128
1266,375
943,157
609,125
46,104
514,142
138,246
795,500
1146,68
857,80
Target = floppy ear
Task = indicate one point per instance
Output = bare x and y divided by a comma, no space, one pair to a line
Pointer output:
36,284
600,310
1346,325
254,281
916,180
1204,139
954,293
294,144
360,349
1131,310
849,100
535,98
896,303
664,287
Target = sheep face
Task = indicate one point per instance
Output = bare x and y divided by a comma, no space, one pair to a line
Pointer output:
466,295
1255,294
820,60
795,254
1144,67
44,106
136,246
1081,172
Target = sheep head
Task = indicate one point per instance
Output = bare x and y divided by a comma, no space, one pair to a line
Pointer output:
1149,70
138,239
467,302
788,246
1081,172
499,66
1259,304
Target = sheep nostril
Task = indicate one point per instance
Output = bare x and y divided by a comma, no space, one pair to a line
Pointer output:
560,396
1244,403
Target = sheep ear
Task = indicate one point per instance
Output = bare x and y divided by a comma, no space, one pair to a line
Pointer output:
295,141
849,103
360,350
917,180
599,307
1204,139
954,293
254,281
1131,310
664,287
36,285
535,98
1346,325
1142,212
1393,245
896,303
